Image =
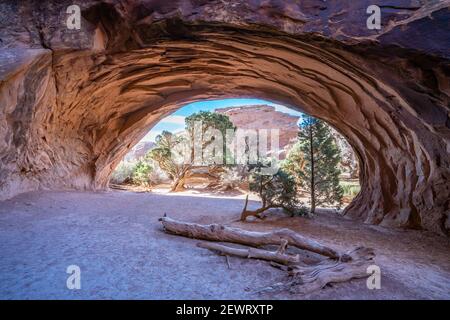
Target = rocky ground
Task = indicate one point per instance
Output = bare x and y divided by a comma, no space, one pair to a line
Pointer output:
117,241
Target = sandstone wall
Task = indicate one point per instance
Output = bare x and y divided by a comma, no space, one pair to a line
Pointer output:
73,102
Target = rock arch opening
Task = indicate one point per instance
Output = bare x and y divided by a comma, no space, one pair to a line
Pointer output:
77,102
142,169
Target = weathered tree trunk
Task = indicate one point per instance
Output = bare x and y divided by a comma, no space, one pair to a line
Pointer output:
254,213
218,232
178,184
312,278
313,185
304,279
254,253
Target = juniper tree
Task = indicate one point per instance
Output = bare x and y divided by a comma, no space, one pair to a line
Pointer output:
175,153
207,121
277,190
167,155
320,173
141,173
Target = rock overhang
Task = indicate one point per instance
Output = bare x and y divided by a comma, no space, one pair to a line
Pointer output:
76,102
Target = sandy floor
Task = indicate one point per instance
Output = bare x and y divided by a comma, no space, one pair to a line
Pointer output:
117,241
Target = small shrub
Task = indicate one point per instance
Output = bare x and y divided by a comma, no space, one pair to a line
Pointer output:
123,172
141,173
232,177
276,191
350,190
157,175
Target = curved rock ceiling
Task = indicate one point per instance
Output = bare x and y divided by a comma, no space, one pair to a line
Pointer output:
73,102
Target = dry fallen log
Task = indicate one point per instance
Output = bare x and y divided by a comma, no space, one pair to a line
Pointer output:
312,278
253,253
304,279
221,233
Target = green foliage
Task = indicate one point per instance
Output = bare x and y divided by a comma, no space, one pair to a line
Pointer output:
141,173
123,172
133,172
174,154
350,189
294,162
320,173
166,153
209,121
276,191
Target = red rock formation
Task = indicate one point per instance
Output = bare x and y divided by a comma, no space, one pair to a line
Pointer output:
265,117
73,102
139,150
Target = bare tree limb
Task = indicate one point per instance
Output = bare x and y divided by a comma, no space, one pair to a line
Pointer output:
304,279
253,253
312,278
221,233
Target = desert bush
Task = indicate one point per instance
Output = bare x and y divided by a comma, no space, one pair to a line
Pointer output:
141,173
123,172
294,162
276,191
350,189
157,175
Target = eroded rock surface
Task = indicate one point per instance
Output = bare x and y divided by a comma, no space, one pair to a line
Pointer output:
258,117
73,102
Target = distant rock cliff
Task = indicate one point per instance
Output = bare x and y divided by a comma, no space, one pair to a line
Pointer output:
265,117
139,150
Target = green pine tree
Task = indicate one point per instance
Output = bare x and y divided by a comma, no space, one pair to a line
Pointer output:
320,174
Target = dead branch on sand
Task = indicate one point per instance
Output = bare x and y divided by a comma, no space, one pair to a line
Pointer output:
335,268
221,233
251,253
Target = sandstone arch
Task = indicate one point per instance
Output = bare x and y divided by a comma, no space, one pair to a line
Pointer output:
74,102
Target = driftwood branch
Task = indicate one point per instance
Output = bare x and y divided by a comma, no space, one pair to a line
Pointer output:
304,279
251,253
312,278
221,233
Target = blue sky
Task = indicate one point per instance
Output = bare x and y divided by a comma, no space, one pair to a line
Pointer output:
175,122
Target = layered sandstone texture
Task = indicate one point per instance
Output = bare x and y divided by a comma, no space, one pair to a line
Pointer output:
73,102
264,117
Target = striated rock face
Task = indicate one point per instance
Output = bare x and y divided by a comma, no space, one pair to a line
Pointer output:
73,102
349,161
265,117
139,150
